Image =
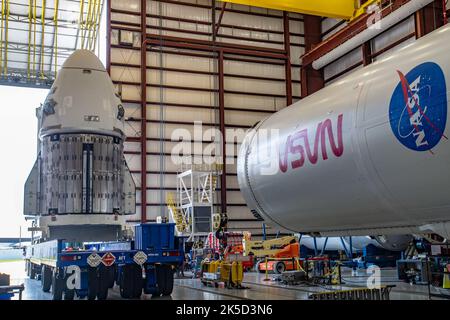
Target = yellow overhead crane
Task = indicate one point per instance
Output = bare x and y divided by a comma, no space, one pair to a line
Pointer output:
339,9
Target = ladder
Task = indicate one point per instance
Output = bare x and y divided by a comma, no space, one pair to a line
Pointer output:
177,216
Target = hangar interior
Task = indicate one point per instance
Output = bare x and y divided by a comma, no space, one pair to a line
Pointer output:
191,73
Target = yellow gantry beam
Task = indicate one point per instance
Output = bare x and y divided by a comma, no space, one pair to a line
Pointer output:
55,44
339,9
6,30
30,28
42,38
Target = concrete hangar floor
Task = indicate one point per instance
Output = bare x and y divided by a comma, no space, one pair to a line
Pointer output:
192,289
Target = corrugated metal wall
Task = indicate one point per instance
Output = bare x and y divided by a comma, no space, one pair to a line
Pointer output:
396,37
183,84
392,39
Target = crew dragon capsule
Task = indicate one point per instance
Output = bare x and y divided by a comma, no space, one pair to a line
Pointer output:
367,155
80,187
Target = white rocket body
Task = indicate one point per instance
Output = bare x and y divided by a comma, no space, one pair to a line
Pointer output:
367,155
80,187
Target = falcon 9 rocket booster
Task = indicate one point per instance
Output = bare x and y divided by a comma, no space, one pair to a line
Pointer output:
366,155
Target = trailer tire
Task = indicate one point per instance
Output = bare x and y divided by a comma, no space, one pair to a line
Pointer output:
169,281
102,293
92,283
137,281
58,285
46,278
31,271
104,281
112,272
69,294
28,268
160,279
164,278
126,282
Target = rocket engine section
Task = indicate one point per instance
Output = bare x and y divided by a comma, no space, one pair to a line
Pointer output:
80,186
367,155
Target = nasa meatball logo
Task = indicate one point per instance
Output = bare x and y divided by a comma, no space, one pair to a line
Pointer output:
418,108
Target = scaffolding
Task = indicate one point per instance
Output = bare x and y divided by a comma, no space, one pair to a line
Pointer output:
192,210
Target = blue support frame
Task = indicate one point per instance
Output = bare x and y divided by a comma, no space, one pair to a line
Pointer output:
350,241
345,247
324,246
264,231
316,251
300,246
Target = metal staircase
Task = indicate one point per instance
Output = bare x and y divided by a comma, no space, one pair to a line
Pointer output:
176,214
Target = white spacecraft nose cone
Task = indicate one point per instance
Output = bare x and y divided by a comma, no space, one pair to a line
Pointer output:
83,59
82,99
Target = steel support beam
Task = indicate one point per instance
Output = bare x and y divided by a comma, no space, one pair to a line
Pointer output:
264,231
288,66
324,246
429,18
143,111
223,178
316,250
350,244
217,25
367,53
209,46
108,36
311,80
347,252
300,246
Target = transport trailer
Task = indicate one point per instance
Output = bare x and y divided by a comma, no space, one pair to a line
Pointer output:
89,270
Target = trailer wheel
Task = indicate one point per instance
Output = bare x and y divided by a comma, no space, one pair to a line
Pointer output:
28,268
46,278
280,267
58,285
164,278
33,273
169,281
31,270
112,272
69,294
104,281
160,278
102,293
92,283
126,282
138,282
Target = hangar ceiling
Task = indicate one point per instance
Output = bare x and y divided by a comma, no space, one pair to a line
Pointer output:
36,36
